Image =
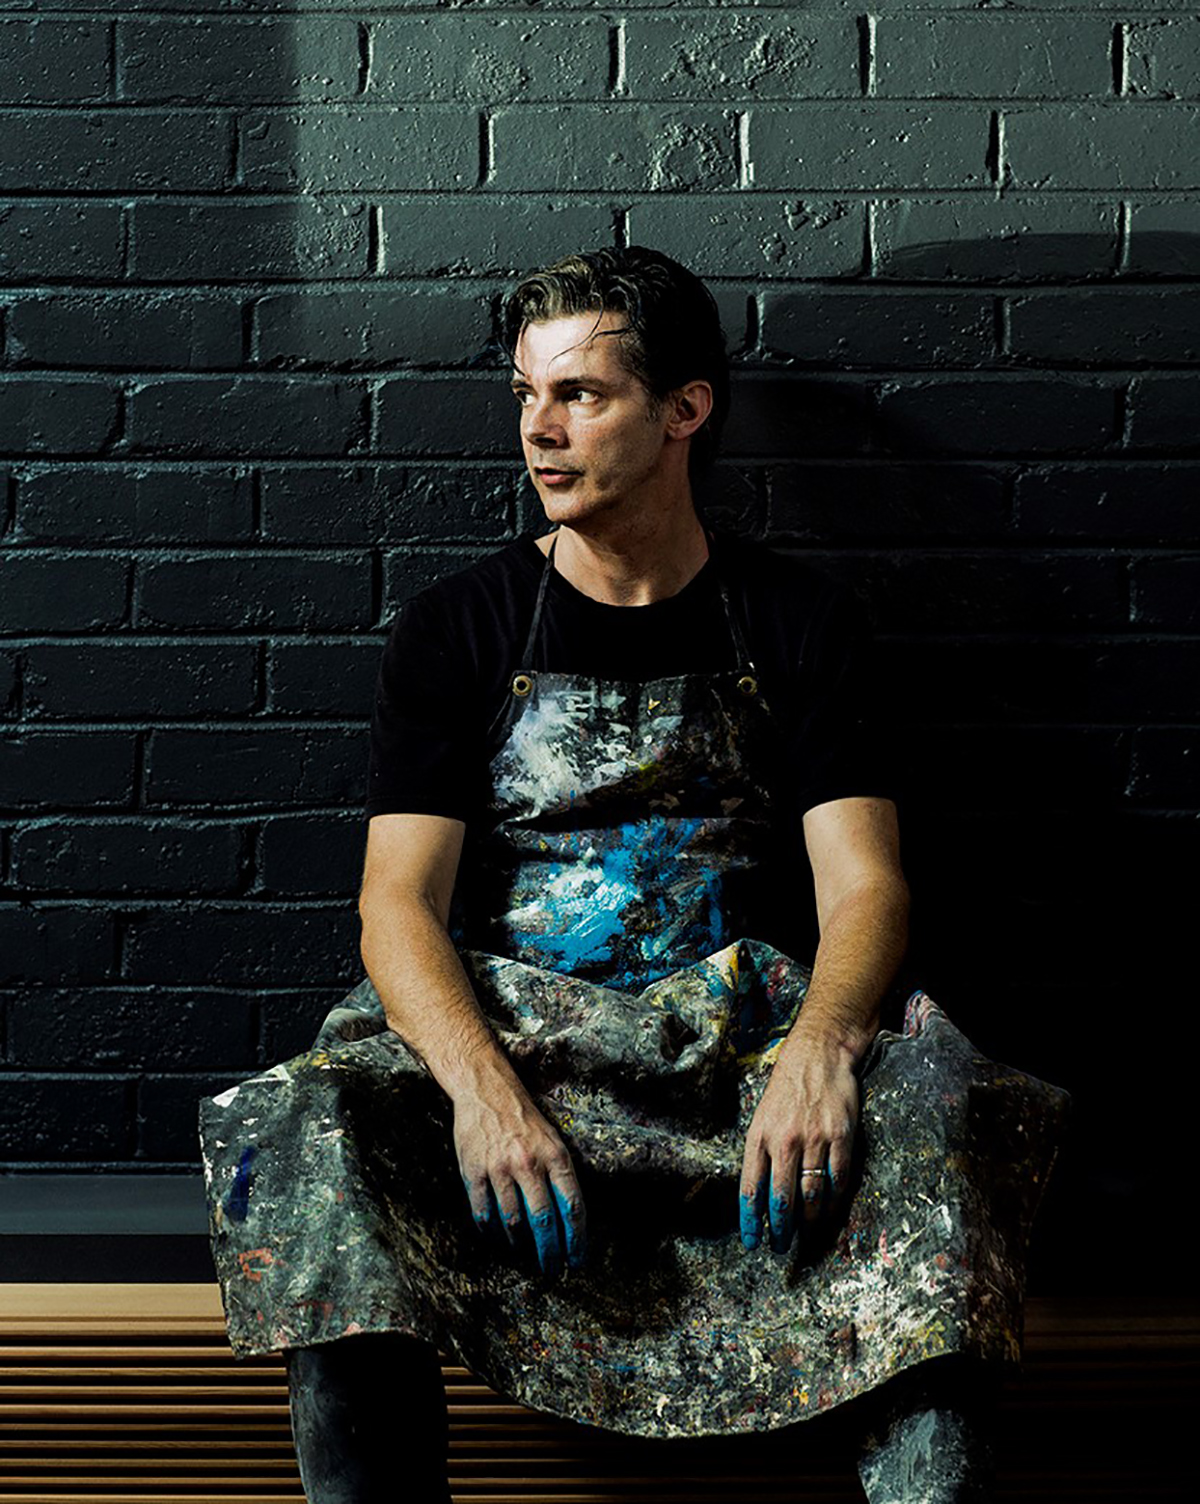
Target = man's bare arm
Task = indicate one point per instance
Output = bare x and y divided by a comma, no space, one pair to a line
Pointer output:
862,910
501,1138
802,1134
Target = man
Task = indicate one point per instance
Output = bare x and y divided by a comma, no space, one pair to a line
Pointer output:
614,768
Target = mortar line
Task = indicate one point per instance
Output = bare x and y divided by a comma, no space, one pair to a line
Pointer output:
1119,53
616,59
375,239
366,55
487,148
866,55
745,167
1124,226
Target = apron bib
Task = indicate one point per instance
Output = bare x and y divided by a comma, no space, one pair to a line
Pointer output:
607,922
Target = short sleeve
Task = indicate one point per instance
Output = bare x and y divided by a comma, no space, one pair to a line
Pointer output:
423,759
837,750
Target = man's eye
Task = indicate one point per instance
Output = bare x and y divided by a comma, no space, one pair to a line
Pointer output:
582,394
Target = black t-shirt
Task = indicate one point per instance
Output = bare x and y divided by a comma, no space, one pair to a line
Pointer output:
453,649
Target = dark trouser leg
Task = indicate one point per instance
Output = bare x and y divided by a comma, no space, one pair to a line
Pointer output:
369,1420
929,1437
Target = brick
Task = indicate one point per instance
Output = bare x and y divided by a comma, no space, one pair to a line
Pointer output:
992,57
725,235
614,148
1166,769
354,150
8,682
491,234
1163,57
287,592
1113,146
1164,412
729,497
1110,325
388,503
56,594
168,1113
406,573
66,770
128,680
1019,767
872,145
214,60
290,1020
489,61
909,502
463,414
213,241
48,1119
53,62
393,326
55,945
61,416
800,414
731,55
322,679
926,590
1166,593
243,415
114,151
233,947
122,1029
275,766
1146,502
60,238
998,415
873,329
1050,680
137,330
993,239
1162,238
134,503
127,856
312,854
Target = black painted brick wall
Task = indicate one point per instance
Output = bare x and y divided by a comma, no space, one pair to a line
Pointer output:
248,257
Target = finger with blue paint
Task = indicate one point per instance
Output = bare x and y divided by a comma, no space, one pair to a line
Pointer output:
543,1223
574,1222
484,1211
752,1207
782,1207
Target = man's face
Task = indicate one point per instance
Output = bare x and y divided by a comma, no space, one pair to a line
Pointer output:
593,439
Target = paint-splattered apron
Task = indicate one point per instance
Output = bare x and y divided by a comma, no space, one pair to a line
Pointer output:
603,924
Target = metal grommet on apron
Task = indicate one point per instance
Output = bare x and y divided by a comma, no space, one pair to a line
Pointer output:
608,938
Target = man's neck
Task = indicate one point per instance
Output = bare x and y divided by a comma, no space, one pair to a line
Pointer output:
635,568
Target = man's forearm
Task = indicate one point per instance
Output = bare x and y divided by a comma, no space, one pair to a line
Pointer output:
862,944
426,995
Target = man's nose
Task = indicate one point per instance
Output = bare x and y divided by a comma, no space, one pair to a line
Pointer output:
541,424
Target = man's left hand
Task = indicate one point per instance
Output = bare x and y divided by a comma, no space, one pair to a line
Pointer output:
800,1139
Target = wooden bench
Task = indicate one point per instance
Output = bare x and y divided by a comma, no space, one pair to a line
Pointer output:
129,1392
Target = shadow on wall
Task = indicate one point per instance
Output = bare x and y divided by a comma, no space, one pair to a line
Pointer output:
1017,522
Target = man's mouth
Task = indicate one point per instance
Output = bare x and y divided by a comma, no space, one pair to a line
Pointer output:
551,475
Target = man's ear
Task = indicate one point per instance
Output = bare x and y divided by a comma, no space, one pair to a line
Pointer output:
688,408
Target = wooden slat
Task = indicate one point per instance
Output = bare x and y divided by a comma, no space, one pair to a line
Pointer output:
130,1393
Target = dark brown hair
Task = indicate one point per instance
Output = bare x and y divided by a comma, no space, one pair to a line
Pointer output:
673,329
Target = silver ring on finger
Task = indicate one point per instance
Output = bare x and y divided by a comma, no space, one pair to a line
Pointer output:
809,1191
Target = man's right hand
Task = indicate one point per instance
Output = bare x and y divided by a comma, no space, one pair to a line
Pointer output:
508,1151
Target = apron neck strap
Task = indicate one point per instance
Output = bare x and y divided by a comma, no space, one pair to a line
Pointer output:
741,652
535,623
